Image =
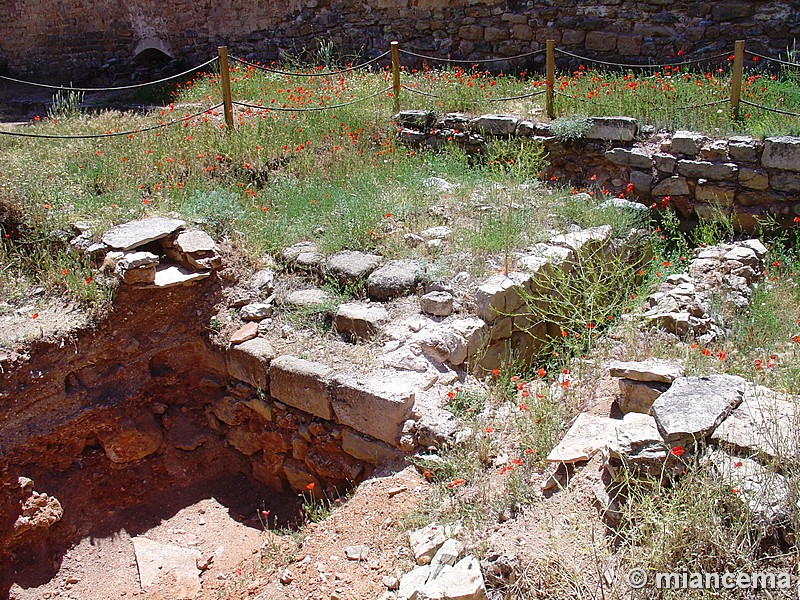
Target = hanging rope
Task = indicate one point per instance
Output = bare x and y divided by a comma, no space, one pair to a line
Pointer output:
313,73
469,62
110,89
311,109
92,136
632,66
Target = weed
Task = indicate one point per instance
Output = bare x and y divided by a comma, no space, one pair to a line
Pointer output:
571,128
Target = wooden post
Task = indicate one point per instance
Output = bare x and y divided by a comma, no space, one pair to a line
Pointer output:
396,75
225,77
551,79
736,82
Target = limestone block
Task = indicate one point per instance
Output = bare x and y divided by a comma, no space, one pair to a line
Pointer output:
779,153
250,362
635,158
375,404
615,129
302,384
703,169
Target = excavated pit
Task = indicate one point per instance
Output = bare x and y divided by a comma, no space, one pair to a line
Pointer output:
121,426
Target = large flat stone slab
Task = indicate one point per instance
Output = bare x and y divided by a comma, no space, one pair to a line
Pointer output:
171,568
694,406
650,370
360,320
137,233
765,493
350,266
764,424
172,275
375,404
588,435
394,279
302,384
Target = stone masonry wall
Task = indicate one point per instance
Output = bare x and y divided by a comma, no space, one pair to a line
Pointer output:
77,39
741,177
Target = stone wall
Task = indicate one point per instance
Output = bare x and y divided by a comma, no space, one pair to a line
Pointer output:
76,39
741,177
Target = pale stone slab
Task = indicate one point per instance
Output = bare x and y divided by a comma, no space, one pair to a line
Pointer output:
694,406
349,266
438,304
195,241
244,333
639,444
464,581
764,492
651,370
395,278
311,298
588,435
375,404
765,423
171,275
137,233
366,449
501,295
302,384
425,542
168,566
616,129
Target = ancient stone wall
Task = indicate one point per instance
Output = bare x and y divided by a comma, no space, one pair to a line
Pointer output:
77,39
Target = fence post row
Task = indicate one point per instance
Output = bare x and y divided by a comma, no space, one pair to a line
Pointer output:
550,74
225,77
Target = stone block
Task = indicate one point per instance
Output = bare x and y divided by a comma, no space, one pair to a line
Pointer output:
588,435
688,143
600,41
359,320
784,181
614,129
664,162
714,194
367,449
501,295
671,186
638,396
131,439
742,148
652,370
635,158
375,404
502,125
703,169
781,153
138,233
250,362
753,179
302,384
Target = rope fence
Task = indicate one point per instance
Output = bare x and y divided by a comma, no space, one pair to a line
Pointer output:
397,86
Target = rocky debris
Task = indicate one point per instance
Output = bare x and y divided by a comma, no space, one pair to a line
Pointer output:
138,233
763,491
349,267
134,267
694,406
171,569
130,439
303,256
396,278
650,370
461,581
588,435
198,250
725,272
763,424
360,552
256,311
425,542
313,298
441,232
501,295
440,344
360,321
438,304
37,510
446,555
184,434
500,570
438,184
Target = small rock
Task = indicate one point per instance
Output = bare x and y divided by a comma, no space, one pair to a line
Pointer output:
359,552
256,311
71,580
311,298
392,492
438,304
244,333
390,582
286,577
